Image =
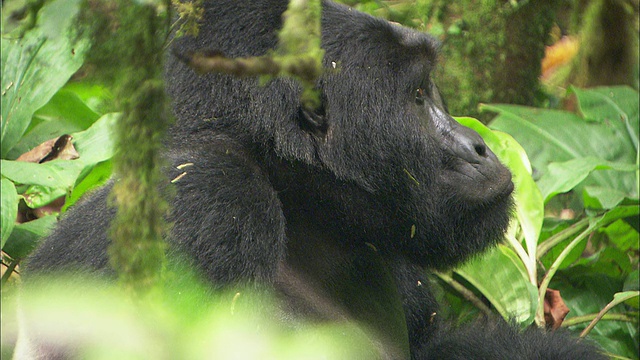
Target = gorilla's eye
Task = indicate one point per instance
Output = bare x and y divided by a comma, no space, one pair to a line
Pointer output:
420,96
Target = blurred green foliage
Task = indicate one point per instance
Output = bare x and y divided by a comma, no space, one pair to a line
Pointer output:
185,319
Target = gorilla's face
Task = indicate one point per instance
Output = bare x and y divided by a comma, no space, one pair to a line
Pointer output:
469,166
431,185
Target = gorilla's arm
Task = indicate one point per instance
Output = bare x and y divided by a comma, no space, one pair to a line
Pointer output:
226,216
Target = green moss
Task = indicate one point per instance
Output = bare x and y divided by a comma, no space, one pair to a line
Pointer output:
127,51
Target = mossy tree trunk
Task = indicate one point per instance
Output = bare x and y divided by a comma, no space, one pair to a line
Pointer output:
492,51
609,44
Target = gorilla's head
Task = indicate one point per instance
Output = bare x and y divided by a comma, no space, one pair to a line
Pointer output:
432,185
380,160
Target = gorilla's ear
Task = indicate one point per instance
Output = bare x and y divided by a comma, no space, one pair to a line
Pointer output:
313,120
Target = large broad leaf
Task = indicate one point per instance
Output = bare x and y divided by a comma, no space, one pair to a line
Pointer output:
502,279
36,66
623,236
562,177
53,174
558,136
96,144
611,104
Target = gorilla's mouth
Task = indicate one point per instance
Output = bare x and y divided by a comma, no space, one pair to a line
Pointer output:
478,183
472,172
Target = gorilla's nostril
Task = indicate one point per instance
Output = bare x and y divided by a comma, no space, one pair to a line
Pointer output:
481,149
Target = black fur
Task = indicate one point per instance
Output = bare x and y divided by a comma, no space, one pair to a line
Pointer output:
339,211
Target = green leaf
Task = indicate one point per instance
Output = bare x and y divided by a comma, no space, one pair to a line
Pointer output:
26,236
550,257
96,97
630,297
56,178
36,66
620,212
596,197
527,196
562,177
37,195
613,104
507,287
623,235
96,144
67,106
97,177
55,174
547,135
609,261
632,283
586,292
9,198
557,136
65,113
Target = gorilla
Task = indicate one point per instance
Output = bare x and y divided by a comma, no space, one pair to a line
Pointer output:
341,210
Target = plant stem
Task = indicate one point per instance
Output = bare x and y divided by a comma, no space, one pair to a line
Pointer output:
554,240
617,299
9,271
589,317
524,256
544,284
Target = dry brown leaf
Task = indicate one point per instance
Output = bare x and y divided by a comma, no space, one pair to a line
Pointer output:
58,148
555,310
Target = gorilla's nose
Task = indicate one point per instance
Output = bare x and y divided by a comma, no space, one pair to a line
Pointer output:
468,145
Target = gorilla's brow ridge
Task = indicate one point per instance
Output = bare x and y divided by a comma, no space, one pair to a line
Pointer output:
421,43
